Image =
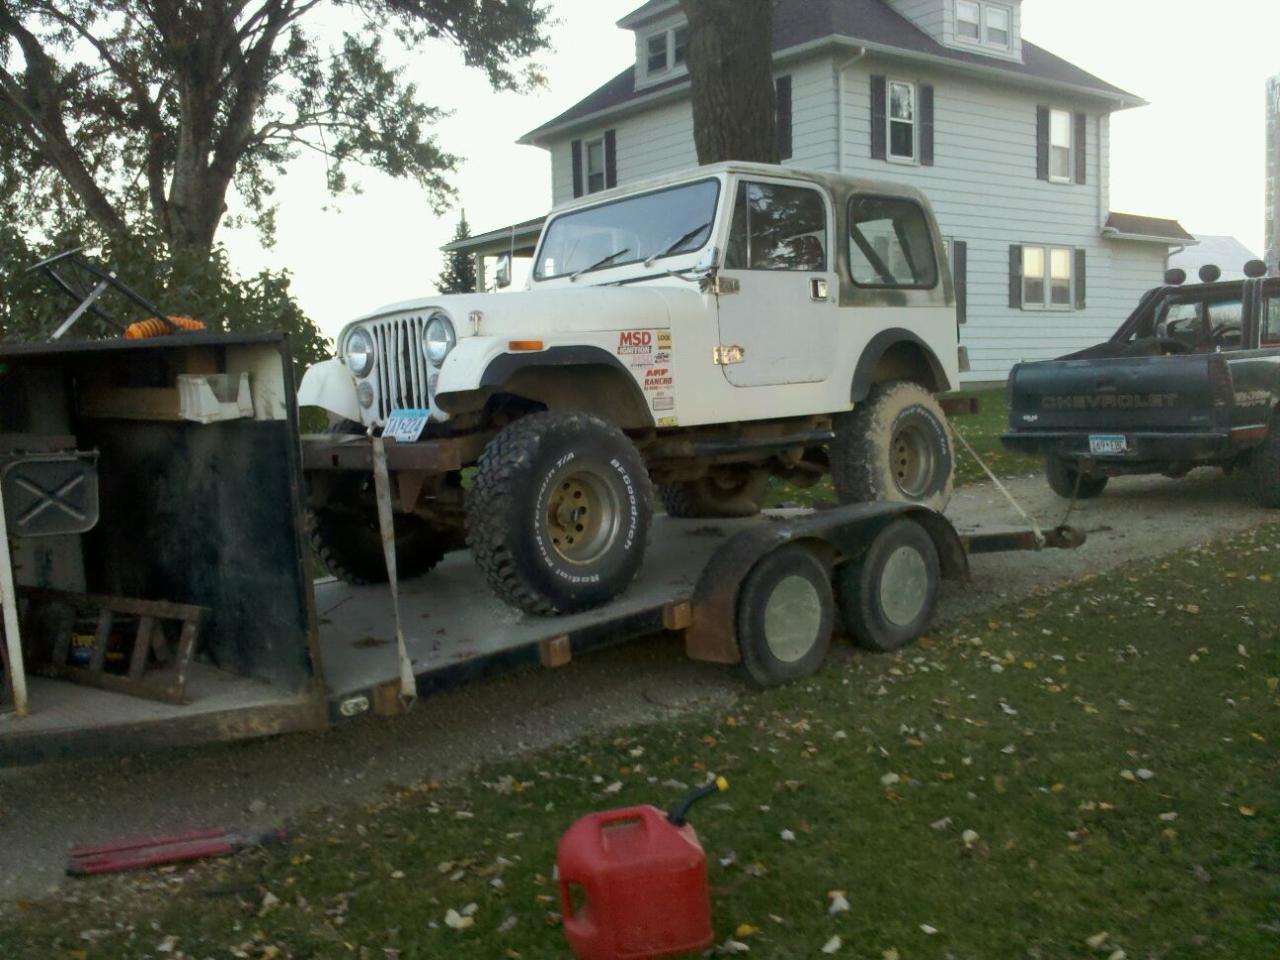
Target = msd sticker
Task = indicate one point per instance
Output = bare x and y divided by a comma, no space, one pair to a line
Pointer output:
634,343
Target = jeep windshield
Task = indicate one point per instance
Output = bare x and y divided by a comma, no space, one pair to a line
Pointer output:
650,226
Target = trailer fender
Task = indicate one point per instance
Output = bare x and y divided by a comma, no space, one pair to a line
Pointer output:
330,385
836,535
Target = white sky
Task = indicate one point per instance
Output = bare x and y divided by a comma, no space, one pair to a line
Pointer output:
1196,154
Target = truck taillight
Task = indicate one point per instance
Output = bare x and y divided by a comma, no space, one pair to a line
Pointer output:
1222,389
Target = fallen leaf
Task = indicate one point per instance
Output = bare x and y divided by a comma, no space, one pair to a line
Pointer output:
832,945
1097,940
970,837
928,930
889,779
745,930
787,835
839,904
456,921
1247,811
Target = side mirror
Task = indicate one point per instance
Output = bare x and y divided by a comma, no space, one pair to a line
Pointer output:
502,273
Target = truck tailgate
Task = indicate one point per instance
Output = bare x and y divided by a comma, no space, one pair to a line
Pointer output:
1116,395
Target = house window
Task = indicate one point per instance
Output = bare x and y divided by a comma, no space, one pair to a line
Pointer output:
1047,278
1060,146
680,46
657,47
890,244
989,24
595,166
902,121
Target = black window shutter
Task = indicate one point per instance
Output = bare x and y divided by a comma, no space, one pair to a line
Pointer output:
1081,293
575,149
784,118
1081,144
1042,143
926,125
1015,276
960,271
610,159
879,90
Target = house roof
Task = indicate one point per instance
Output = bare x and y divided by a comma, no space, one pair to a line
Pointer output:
872,24
1228,253
1131,226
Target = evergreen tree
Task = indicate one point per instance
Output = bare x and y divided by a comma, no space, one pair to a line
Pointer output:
459,273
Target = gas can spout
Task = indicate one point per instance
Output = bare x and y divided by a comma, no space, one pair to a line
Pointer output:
679,814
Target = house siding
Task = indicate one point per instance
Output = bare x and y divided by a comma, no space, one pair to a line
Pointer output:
982,185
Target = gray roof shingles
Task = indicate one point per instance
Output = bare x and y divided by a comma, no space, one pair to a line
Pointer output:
796,22
1131,224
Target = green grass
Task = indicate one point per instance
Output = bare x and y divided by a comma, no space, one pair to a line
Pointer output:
982,430
1112,746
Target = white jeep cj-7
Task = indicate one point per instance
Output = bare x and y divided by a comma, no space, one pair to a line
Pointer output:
706,331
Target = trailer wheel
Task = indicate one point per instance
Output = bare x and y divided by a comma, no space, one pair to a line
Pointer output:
347,540
558,512
1062,477
1264,468
894,446
738,494
786,613
887,597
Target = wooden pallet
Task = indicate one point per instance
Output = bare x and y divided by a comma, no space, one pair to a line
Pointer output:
163,679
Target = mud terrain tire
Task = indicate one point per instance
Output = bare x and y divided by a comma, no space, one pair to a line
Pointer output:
558,512
1062,480
896,445
1264,468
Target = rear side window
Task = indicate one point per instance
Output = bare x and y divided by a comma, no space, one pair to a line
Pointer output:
890,244
777,227
1271,321
1214,323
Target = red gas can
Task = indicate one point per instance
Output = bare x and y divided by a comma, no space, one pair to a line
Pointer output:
633,884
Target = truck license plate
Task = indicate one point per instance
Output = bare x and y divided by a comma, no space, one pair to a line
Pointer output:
406,426
1105,443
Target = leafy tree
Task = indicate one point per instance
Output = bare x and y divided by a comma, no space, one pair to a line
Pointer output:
459,273
730,58
142,114
202,286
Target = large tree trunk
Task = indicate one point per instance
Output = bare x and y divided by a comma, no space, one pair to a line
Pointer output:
731,73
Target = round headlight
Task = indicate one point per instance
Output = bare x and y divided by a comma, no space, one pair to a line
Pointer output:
359,352
439,339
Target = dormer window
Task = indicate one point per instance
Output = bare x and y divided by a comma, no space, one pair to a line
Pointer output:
987,24
668,50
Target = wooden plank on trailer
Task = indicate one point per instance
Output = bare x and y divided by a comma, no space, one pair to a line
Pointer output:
141,647
100,640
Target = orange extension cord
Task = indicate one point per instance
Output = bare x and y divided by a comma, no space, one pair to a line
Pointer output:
155,327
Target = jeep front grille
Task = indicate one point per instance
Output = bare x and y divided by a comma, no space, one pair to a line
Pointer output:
402,368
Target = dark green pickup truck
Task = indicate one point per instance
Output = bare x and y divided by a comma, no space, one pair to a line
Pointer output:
1191,379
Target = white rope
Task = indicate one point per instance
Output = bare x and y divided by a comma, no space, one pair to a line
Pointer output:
1035,527
386,523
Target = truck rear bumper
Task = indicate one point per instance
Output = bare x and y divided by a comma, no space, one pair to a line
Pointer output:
1143,448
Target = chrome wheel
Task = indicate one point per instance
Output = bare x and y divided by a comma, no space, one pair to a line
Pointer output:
904,586
912,460
582,516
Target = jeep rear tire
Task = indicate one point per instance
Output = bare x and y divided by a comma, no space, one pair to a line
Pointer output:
1264,468
558,512
346,538
718,495
896,446
1063,477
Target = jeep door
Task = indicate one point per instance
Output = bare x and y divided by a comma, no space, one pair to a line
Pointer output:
779,316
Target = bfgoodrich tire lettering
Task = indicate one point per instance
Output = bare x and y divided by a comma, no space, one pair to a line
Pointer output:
895,446
888,595
786,612
558,513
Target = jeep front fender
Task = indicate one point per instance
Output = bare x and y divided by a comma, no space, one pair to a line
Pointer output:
330,385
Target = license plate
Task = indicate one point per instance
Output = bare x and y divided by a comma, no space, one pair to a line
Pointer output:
406,426
1106,443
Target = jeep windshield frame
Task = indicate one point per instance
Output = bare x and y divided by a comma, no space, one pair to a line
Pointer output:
644,224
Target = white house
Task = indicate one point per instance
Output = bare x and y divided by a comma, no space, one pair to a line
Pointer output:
1009,142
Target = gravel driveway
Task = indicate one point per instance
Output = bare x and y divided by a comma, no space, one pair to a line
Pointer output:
45,810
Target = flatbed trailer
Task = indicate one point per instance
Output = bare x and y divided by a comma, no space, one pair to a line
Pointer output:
209,515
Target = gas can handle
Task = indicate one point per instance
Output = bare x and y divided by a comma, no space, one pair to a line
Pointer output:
679,814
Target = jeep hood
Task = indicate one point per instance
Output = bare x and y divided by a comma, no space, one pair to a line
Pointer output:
531,313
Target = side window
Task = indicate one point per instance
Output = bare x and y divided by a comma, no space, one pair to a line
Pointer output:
1226,324
777,228
1204,325
891,244
1271,321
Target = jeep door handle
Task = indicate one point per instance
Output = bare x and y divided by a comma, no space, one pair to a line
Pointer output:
818,289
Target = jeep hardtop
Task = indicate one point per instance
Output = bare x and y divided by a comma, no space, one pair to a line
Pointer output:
703,331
